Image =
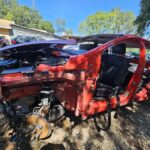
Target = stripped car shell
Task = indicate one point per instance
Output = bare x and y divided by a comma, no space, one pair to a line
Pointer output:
72,75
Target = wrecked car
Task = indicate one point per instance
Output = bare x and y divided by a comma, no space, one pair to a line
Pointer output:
4,41
40,80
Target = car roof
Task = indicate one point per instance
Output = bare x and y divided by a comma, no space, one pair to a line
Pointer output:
104,38
99,38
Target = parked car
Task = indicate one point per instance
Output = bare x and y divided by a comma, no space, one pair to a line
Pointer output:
4,41
41,80
23,39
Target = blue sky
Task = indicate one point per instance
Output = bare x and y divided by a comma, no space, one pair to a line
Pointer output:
75,11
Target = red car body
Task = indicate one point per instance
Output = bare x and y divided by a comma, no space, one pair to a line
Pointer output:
75,81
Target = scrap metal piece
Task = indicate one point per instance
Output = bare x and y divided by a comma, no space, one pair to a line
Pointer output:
40,126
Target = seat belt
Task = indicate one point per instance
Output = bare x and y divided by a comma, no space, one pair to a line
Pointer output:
116,93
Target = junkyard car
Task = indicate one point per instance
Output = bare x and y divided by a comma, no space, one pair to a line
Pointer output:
23,39
40,80
4,41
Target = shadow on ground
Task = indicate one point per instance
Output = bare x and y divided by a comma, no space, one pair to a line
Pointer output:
129,132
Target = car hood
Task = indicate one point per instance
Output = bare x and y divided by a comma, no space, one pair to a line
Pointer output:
35,45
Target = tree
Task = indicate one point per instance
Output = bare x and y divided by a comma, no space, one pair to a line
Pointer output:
143,20
60,25
23,15
114,21
68,32
45,25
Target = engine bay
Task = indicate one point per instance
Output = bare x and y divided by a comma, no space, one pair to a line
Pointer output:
26,59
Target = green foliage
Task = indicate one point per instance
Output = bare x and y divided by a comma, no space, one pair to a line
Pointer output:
45,25
23,15
68,32
143,20
61,27
114,21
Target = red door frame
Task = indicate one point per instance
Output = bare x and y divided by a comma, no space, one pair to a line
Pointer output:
86,105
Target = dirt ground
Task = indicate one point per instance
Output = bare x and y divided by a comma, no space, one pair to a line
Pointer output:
131,131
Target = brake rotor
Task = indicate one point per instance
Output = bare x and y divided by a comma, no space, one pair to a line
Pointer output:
40,126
